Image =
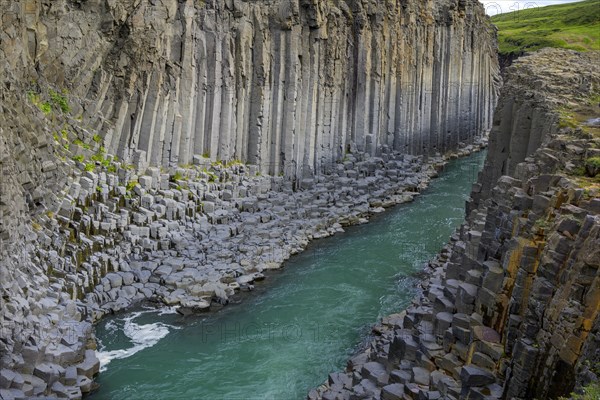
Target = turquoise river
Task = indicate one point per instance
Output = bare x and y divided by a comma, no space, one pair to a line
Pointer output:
300,324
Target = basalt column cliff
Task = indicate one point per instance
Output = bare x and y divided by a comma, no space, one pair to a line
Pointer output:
111,110
282,84
511,307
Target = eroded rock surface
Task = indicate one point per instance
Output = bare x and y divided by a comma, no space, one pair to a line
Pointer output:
328,98
510,308
284,84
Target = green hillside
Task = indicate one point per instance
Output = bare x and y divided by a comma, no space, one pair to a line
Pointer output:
572,26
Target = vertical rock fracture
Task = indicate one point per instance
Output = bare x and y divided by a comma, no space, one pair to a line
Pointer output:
113,111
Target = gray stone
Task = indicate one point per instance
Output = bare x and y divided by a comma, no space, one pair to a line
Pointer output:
421,376
115,280
48,372
84,383
375,372
467,293
474,376
90,366
6,378
394,391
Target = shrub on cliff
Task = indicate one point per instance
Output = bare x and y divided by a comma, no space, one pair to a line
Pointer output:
592,166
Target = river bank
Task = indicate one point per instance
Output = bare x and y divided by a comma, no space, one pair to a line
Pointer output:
512,300
299,324
190,239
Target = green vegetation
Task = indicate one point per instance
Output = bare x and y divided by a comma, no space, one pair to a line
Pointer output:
90,166
177,177
590,392
212,177
573,26
97,138
36,100
78,142
575,116
592,166
543,223
59,101
567,119
79,158
232,163
131,184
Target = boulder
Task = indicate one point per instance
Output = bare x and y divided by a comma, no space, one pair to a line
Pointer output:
376,372
475,376
395,391
48,372
90,365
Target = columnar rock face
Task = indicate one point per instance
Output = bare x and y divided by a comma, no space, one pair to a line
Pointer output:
288,85
527,118
511,306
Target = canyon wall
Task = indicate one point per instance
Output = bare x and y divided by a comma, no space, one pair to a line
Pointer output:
288,85
511,306
107,104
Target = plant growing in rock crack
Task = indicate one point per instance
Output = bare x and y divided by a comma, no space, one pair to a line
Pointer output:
130,185
592,166
590,392
36,100
177,177
80,143
233,162
543,223
59,101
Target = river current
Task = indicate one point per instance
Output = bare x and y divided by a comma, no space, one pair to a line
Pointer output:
300,324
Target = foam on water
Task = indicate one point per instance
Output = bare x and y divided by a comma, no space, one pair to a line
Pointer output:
142,336
167,310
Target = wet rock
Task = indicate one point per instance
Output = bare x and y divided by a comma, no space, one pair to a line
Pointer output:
90,365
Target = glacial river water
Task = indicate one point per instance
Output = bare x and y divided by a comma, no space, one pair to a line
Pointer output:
298,325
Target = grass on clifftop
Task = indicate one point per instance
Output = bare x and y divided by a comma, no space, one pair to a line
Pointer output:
573,26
